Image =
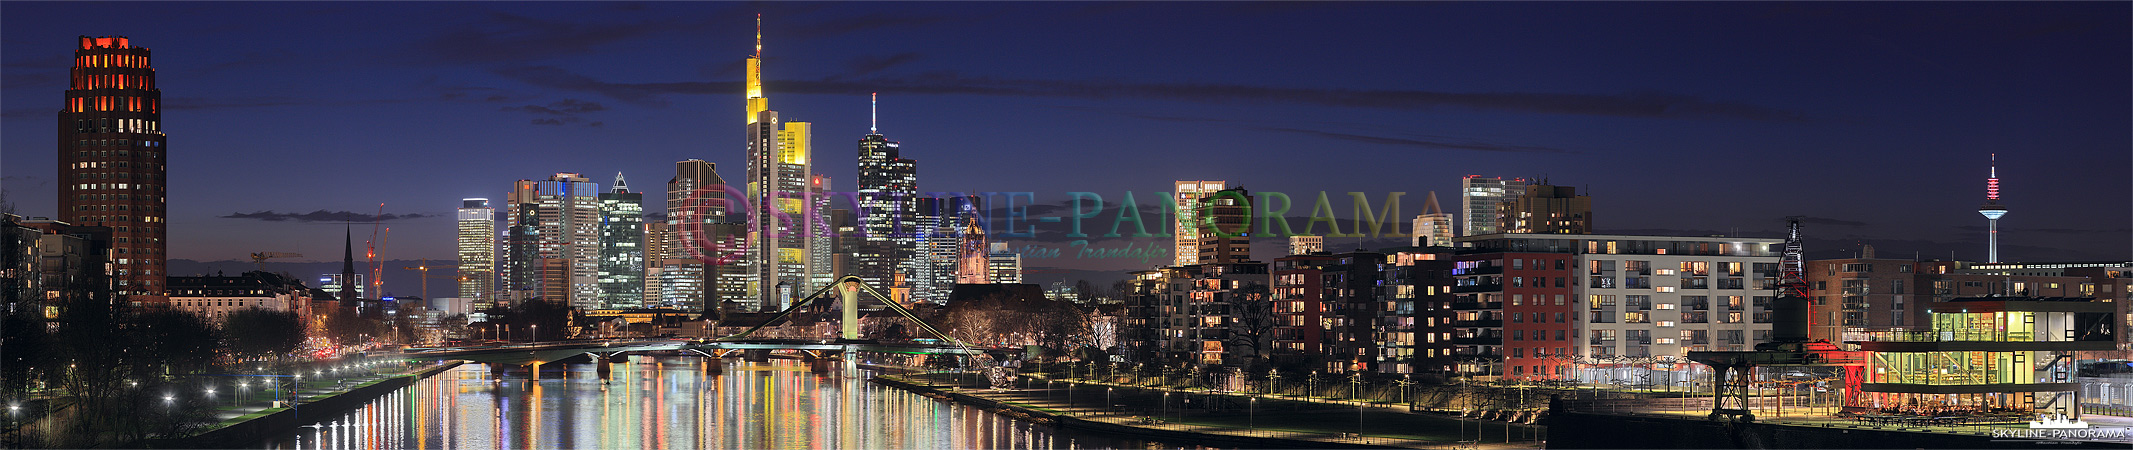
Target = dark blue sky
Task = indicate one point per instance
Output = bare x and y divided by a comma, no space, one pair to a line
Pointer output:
1874,118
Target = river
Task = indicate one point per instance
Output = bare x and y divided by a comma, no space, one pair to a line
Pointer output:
672,403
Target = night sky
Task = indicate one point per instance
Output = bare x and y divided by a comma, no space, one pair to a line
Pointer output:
1874,119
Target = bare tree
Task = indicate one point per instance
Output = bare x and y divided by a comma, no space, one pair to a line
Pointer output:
1252,323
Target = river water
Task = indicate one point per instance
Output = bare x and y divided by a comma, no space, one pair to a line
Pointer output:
672,403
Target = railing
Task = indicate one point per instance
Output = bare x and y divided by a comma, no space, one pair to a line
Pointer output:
1950,336
1477,288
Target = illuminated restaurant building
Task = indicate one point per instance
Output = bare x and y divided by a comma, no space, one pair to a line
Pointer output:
2005,355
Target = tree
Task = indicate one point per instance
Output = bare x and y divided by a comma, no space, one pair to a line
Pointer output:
25,349
1251,330
1085,292
263,333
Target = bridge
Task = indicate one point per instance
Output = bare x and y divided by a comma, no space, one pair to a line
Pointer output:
849,291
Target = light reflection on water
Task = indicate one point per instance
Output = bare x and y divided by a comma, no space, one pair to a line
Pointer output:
672,403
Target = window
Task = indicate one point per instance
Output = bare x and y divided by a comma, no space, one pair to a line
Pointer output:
1518,318
1665,307
1858,267
1666,324
1559,336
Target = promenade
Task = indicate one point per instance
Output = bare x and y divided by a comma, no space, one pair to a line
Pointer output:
1165,412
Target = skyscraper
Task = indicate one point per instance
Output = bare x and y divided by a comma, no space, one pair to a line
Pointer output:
1546,209
1480,198
1992,211
1434,227
707,259
111,160
942,223
558,222
621,247
782,231
888,186
1225,227
477,253
1185,233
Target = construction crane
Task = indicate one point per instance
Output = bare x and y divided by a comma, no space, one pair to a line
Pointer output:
424,268
370,255
261,258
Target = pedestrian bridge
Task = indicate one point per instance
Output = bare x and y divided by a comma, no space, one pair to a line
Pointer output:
548,352
847,291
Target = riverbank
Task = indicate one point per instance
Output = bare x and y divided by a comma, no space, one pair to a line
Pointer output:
1214,419
311,406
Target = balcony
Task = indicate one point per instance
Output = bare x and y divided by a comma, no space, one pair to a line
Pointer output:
1479,340
1490,270
1488,323
1496,287
1476,305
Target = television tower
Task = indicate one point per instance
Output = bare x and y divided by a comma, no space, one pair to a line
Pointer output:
1992,211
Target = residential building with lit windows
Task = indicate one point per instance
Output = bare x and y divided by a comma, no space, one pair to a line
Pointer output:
1545,209
1415,319
216,297
477,253
1854,295
1185,233
1195,309
1625,300
1305,245
1300,336
111,160
1225,227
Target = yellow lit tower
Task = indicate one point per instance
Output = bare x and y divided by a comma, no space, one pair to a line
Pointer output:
782,233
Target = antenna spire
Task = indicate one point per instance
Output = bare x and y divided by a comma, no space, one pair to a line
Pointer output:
874,113
1992,182
759,35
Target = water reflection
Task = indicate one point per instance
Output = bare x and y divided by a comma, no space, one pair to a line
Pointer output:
673,403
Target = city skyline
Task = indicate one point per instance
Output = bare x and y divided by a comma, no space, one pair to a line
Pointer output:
1870,113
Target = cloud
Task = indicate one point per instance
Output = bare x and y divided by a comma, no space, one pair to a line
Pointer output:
1829,221
1633,104
566,107
1410,140
1420,143
867,22
323,216
870,64
1981,229
500,37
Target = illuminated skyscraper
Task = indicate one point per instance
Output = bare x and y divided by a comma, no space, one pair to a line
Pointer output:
1225,227
621,247
111,160
556,225
940,244
1480,198
1185,233
477,253
888,185
1992,211
782,233
1434,227
706,261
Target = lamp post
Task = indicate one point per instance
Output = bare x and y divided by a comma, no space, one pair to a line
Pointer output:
1253,416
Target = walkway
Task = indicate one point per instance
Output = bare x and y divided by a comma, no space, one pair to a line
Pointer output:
1314,420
